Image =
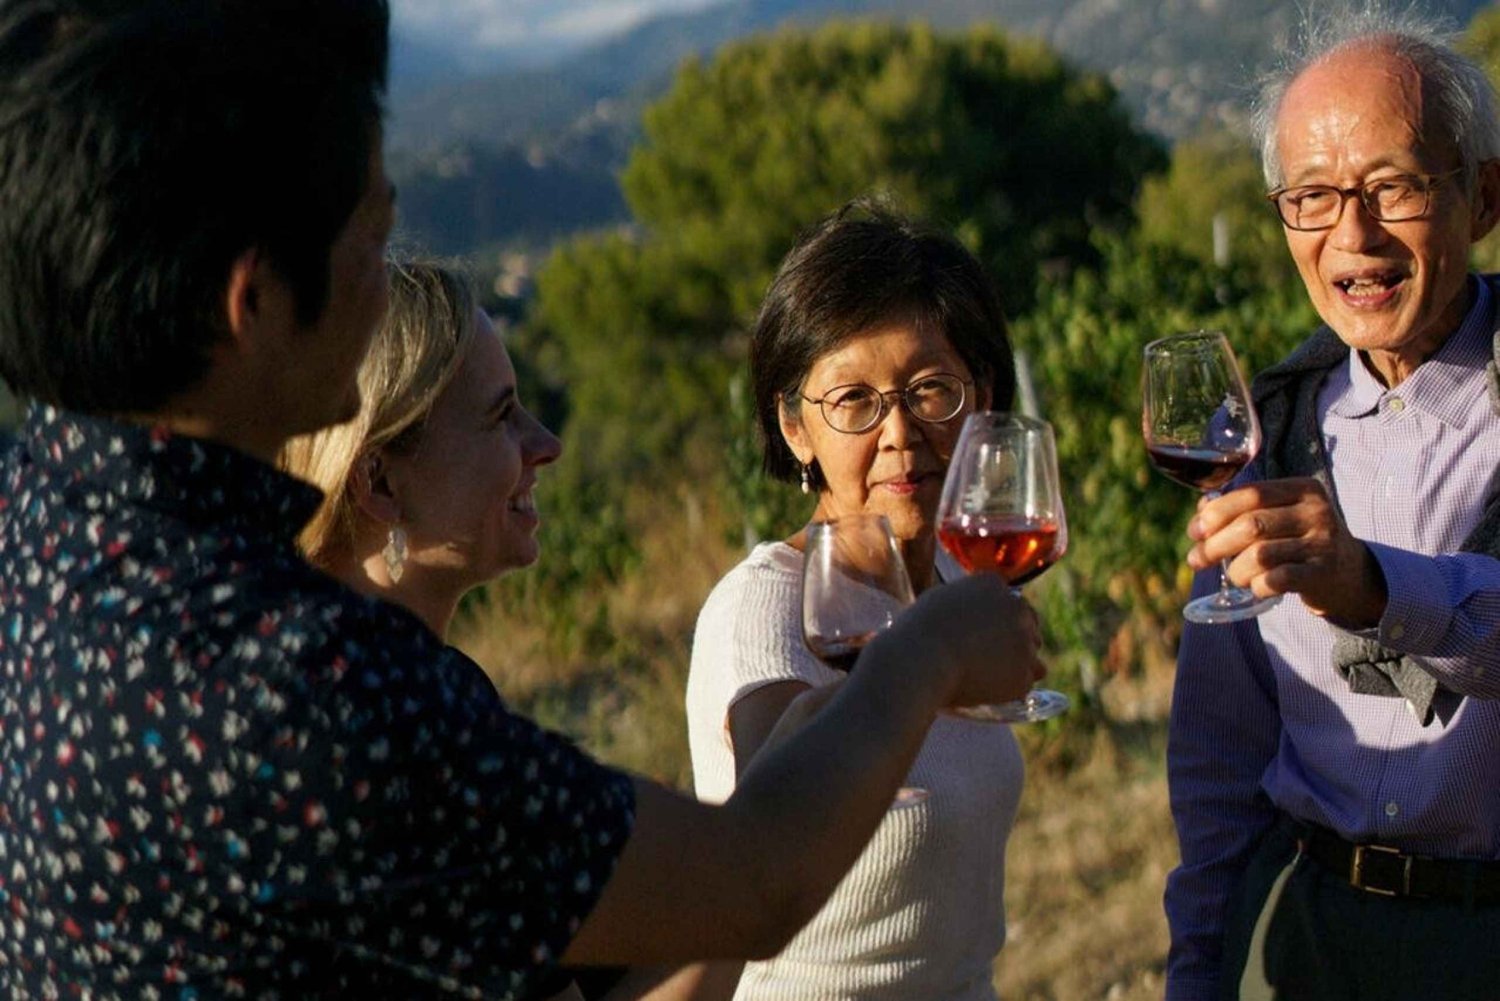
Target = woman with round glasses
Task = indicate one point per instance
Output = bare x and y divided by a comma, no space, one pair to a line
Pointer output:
876,338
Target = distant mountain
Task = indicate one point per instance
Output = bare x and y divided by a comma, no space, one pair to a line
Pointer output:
473,196
1178,64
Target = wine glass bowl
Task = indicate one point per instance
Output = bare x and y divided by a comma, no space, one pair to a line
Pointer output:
1200,429
1002,512
854,584
1016,547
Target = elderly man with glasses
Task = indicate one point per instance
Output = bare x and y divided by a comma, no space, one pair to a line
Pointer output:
1335,763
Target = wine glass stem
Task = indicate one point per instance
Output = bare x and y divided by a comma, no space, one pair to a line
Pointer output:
1223,597
1224,582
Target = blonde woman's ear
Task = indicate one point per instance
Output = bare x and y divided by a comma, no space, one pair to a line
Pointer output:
371,492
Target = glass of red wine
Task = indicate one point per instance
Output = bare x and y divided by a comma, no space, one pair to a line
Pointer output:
1201,430
1002,512
854,584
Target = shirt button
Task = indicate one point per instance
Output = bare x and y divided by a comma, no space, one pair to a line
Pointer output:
1396,631
1396,405
1391,809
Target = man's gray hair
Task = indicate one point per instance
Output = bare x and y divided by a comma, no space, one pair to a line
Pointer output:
1461,98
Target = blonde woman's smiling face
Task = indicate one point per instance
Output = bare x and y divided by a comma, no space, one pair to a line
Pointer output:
466,487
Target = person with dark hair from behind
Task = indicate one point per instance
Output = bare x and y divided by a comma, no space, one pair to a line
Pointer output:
876,338
226,774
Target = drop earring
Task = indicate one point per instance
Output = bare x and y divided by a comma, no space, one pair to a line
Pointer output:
394,553
807,483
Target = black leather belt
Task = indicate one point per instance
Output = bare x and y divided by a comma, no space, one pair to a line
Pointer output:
1394,873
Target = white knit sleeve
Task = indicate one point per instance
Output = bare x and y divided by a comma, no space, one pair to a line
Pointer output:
749,634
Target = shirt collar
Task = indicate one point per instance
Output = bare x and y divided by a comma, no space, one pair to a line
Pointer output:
124,464
1437,386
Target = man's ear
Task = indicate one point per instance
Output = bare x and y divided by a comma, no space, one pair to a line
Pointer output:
1484,207
257,301
371,491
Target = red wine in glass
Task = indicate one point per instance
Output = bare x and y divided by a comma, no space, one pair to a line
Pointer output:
1015,546
1200,428
1199,468
840,653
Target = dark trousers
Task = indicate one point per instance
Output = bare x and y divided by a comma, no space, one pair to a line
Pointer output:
1327,941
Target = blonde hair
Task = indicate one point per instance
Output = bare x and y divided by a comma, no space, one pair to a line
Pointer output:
410,362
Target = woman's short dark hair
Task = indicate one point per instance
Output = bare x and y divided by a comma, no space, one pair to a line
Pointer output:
860,269
144,147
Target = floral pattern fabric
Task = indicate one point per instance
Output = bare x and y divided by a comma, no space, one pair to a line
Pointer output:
224,775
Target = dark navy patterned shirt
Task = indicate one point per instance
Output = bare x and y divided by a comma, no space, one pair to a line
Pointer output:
224,775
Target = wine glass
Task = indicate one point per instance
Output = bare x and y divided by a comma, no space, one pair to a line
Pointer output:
854,584
1002,512
1201,430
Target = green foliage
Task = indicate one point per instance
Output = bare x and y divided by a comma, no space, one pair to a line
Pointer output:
1084,339
1482,43
587,547
638,337
999,139
1216,175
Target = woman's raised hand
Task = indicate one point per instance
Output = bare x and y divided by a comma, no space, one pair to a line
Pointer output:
975,628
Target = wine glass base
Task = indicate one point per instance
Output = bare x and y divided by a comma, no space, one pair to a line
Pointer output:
1228,606
1039,704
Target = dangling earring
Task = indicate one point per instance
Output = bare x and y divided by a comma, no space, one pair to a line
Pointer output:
394,553
807,484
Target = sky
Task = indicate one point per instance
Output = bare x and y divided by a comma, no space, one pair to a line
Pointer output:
522,25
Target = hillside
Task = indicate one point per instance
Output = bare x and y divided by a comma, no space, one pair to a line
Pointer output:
1178,65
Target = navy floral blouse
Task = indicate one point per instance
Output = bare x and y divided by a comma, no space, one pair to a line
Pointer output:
224,775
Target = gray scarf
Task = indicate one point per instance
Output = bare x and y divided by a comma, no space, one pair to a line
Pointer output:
1286,398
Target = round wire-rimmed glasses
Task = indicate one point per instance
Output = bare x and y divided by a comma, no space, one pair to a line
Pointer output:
856,408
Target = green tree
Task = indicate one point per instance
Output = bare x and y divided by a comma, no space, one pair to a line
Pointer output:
1215,181
1482,39
999,140
1482,42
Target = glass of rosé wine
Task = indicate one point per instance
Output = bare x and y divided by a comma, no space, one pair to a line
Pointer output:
1002,512
1201,430
854,584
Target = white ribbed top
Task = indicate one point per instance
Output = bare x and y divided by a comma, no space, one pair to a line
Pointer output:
922,913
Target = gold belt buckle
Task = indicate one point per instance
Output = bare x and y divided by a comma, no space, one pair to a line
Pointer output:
1357,870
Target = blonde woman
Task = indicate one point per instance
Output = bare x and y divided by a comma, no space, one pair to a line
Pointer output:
428,490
